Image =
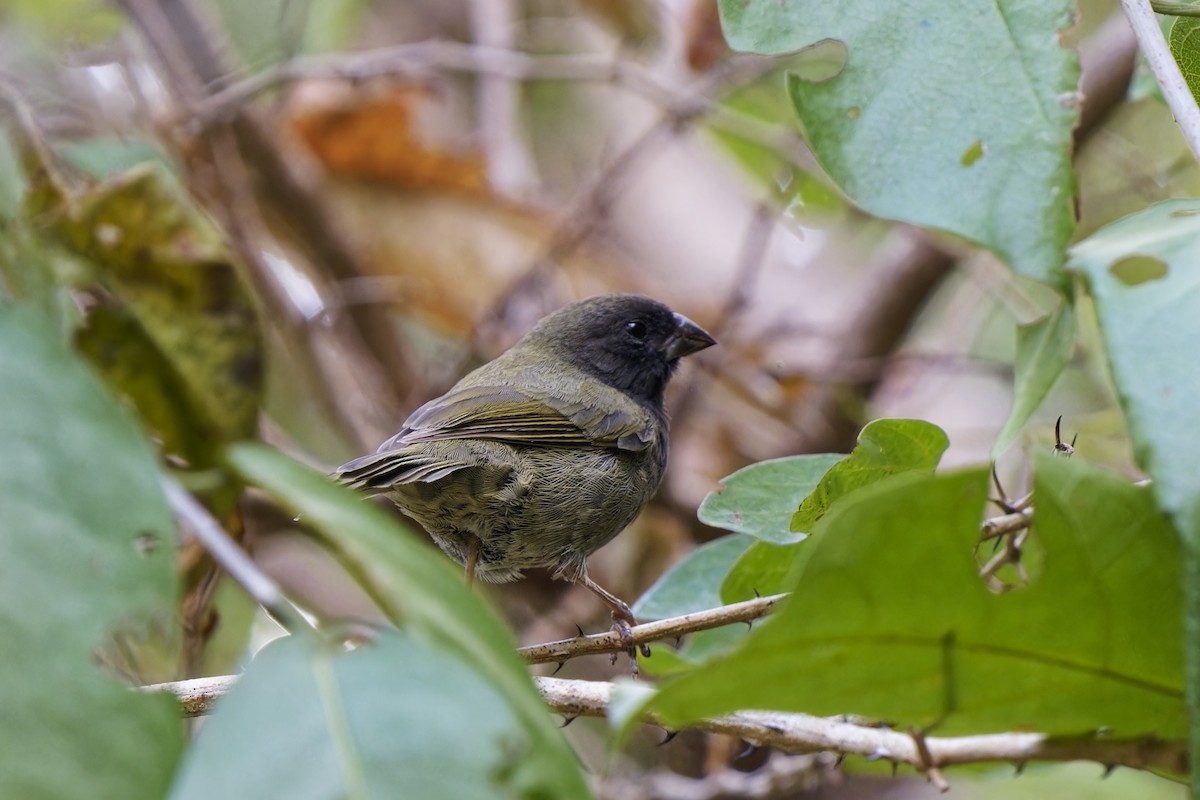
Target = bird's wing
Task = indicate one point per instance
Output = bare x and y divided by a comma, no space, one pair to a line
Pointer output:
531,415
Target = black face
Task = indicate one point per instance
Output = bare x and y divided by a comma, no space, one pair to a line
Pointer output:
630,342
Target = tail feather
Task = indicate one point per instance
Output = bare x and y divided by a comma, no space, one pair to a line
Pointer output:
382,471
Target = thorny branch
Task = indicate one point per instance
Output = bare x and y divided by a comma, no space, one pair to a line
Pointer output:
672,628
802,733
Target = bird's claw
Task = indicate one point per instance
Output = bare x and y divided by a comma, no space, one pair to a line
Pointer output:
623,627
624,632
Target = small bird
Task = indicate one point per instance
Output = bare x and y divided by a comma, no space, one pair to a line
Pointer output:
543,455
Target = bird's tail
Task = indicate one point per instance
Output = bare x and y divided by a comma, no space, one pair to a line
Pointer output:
379,472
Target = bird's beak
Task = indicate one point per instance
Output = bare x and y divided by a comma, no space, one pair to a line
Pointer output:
688,338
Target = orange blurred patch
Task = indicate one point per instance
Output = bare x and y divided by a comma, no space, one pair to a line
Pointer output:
376,137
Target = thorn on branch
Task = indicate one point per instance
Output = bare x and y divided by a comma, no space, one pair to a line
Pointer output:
567,720
749,750
557,669
1109,769
668,738
1059,445
1001,501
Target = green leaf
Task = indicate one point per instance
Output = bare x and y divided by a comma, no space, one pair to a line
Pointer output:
890,620
393,717
955,117
421,592
764,569
1141,272
885,447
1149,329
760,499
692,584
1043,351
86,559
1185,46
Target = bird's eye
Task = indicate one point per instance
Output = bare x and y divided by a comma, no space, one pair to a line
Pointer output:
636,328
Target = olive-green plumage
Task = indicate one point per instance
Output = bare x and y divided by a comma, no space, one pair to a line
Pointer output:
542,456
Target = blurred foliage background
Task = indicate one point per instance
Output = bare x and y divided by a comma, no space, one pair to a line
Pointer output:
314,216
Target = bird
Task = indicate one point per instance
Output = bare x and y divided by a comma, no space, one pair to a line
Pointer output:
543,455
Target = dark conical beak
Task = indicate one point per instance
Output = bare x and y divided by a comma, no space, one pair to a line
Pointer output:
688,338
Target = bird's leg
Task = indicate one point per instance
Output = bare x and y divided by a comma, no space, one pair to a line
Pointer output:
473,545
623,619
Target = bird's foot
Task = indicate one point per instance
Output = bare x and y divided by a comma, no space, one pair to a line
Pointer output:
623,627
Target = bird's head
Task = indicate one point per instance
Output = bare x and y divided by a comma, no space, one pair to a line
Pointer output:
630,342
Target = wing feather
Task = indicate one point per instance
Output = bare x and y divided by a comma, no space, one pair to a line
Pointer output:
532,414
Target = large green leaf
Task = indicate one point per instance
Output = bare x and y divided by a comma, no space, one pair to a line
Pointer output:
1043,351
86,557
422,593
760,499
1141,270
394,718
952,116
889,618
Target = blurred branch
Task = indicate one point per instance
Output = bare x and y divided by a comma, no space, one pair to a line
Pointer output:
232,558
1005,524
1166,70
425,59
780,776
802,733
510,170
673,628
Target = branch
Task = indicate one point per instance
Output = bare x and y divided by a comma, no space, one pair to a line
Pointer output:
1166,70
995,527
226,552
420,59
672,628
802,733
1175,9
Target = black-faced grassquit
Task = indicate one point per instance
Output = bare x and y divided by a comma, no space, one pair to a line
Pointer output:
542,456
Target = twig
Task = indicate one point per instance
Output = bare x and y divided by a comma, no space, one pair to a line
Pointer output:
422,59
1166,70
650,631
198,696
226,552
802,733
1175,9
995,527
